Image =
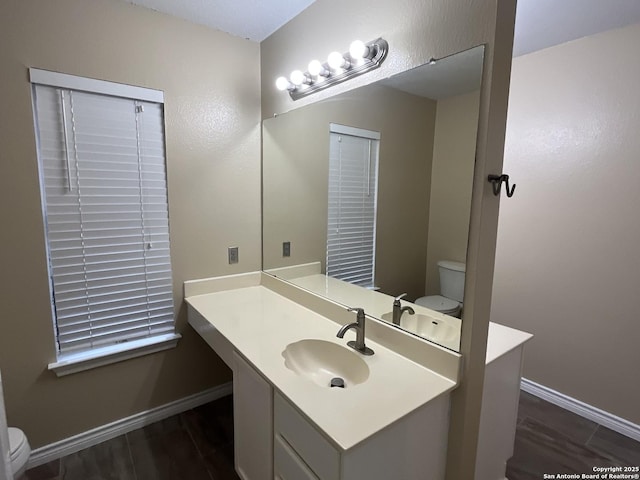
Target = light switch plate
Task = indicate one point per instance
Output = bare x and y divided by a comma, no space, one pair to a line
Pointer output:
233,255
286,249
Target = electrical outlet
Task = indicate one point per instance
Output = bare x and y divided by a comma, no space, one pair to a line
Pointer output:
233,255
286,249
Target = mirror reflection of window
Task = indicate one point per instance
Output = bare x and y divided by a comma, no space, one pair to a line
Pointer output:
351,221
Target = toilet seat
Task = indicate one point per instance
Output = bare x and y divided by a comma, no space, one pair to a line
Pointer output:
19,450
439,304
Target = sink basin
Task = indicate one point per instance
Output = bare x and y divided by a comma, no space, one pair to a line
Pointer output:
321,361
436,330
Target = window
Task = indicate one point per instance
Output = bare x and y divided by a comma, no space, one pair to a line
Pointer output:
353,185
103,180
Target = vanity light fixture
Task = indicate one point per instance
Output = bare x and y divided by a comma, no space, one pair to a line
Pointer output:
362,57
337,62
282,83
359,51
317,70
298,78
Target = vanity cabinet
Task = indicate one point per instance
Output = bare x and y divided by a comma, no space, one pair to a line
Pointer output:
394,424
252,422
273,439
288,464
500,399
414,447
298,442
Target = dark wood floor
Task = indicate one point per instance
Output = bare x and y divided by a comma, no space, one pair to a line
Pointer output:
198,445
552,440
195,445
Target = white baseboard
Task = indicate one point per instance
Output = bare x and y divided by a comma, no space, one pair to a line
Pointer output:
106,432
606,419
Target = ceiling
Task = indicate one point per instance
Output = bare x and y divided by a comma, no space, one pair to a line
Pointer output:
251,19
545,23
539,23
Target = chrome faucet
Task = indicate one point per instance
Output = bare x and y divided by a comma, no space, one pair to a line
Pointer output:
398,309
359,327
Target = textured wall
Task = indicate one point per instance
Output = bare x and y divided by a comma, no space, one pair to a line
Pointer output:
416,31
213,156
567,261
296,170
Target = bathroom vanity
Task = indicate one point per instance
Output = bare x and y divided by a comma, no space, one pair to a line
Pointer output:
289,423
390,421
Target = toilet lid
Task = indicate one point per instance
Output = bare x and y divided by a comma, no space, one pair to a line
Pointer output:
17,440
438,303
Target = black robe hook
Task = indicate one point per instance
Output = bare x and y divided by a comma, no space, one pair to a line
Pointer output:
496,181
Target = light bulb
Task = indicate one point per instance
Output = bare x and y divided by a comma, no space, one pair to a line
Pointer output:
283,84
358,50
297,77
336,61
315,68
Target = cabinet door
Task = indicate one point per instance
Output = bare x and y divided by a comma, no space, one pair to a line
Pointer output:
252,422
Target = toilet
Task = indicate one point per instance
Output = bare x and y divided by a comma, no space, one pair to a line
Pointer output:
20,450
14,447
449,302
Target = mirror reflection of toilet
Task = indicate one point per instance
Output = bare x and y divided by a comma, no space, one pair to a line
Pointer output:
14,446
449,302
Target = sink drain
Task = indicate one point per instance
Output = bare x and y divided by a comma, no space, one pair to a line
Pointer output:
337,382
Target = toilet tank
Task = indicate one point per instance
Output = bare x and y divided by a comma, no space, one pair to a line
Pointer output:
452,279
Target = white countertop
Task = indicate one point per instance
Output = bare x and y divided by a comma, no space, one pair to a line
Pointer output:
374,303
260,323
501,339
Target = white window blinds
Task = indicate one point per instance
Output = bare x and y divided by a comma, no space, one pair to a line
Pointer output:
351,225
104,192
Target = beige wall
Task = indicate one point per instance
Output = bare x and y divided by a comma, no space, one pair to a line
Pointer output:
416,31
295,179
567,262
213,156
454,155
213,167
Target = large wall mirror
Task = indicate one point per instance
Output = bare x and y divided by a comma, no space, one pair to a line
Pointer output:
367,195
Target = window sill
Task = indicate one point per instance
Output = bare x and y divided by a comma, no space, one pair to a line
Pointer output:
78,362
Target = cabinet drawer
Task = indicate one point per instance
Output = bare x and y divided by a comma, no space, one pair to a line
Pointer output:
305,440
288,466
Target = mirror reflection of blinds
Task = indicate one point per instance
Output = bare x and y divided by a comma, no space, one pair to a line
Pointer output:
351,225
103,174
